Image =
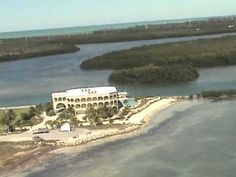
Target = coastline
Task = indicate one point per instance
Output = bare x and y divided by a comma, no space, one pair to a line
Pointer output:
70,151
148,112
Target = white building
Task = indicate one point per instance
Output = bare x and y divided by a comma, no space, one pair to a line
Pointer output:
82,98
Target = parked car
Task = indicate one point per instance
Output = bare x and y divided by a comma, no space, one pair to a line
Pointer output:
40,130
37,138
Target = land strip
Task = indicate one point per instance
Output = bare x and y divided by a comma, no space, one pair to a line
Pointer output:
22,48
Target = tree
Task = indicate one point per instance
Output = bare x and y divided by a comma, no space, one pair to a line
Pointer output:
25,119
95,115
32,111
71,110
47,107
8,120
39,109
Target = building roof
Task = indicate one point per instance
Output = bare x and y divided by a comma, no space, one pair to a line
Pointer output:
87,91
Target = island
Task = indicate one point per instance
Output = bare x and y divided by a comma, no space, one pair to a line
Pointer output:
197,54
26,47
154,74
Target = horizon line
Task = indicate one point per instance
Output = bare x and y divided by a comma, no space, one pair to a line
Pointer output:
107,24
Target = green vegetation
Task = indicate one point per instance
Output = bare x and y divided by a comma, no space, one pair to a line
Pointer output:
95,116
65,116
21,48
217,94
154,74
201,53
14,49
21,117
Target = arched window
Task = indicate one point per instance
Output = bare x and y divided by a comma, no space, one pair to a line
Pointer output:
73,105
59,99
89,99
107,103
95,104
68,105
115,102
83,100
77,100
100,104
89,105
111,102
111,97
64,99
115,96
83,106
100,98
72,100
77,106
68,100
95,99
106,98
55,99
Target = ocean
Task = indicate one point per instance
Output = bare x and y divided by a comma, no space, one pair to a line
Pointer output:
87,29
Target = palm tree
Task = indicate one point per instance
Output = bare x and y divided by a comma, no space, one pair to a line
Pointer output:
8,120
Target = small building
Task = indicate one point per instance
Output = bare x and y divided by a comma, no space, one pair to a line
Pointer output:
83,98
65,127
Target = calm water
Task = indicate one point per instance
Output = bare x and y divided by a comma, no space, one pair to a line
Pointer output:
87,29
33,80
196,140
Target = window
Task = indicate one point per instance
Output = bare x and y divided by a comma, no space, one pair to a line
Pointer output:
106,98
83,100
95,99
55,99
64,99
77,106
83,106
59,99
89,99
100,98
77,100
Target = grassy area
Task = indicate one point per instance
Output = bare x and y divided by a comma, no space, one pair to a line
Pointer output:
12,49
201,53
18,112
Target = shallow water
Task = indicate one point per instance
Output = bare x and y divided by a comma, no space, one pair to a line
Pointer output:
197,139
33,80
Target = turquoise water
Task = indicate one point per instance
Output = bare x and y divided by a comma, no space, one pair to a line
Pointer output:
196,140
130,102
33,80
86,29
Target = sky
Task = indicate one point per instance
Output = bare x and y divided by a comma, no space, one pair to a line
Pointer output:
20,15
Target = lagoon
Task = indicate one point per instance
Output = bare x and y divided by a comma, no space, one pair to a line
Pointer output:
32,81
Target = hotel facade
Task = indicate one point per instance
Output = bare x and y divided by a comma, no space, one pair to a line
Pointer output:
83,98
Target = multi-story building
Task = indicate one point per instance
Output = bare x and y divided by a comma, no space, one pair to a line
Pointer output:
83,98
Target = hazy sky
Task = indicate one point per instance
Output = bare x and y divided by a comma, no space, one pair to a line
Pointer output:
16,15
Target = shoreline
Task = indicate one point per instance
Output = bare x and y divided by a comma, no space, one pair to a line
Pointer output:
69,151
74,46
133,133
